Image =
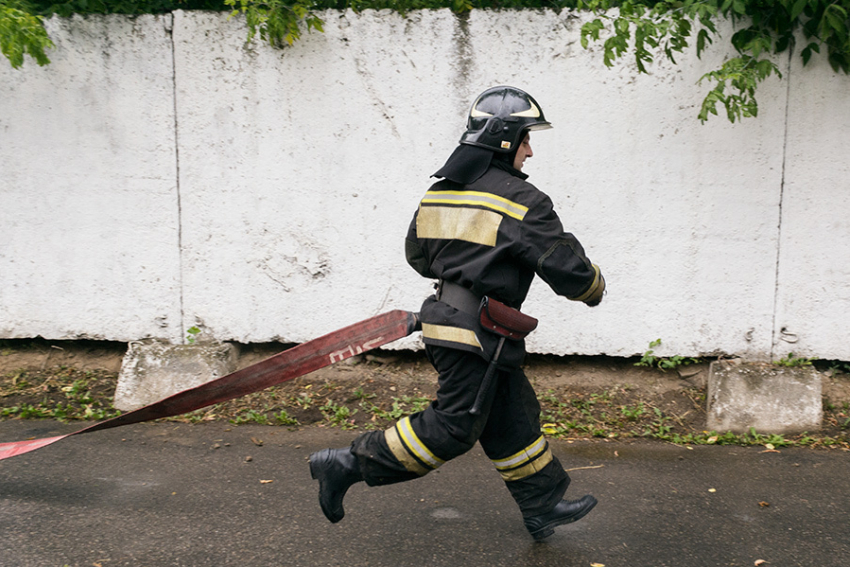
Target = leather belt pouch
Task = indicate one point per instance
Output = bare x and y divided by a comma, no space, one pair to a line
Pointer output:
506,321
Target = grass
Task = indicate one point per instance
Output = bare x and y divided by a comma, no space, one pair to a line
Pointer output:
677,418
65,394
617,413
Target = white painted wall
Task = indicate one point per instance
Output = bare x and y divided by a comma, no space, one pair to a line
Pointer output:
88,202
152,181
813,283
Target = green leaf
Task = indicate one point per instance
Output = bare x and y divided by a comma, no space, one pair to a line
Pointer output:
798,8
839,62
834,20
806,54
22,33
702,38
739,7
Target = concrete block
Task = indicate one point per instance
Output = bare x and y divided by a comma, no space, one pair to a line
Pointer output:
153,370
764,396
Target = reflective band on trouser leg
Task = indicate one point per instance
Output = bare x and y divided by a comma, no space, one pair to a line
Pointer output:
526,462
409,449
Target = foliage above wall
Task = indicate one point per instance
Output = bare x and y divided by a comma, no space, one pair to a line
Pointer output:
763,28
642,28
21,33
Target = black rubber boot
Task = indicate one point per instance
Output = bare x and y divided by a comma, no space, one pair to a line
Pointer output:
336,470
565,512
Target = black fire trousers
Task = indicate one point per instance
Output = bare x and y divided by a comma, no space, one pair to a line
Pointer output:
508,429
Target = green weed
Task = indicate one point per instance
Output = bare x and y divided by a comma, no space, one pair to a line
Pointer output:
337,415
191,334
792,361
250,416
304,401
283,418
650,360
359,394
633,413
401,407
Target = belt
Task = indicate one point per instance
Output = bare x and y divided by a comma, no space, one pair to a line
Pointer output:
458,297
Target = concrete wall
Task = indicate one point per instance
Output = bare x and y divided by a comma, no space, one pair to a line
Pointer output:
161,173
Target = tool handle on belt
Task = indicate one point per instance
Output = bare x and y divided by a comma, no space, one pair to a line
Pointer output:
506,322
487,382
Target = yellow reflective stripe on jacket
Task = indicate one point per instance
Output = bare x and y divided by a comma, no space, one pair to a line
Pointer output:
450,334
454,223
399,451
526,462
476,198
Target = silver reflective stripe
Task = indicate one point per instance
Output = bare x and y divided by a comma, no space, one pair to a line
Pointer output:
532,112
399,451
531,468
476,198
415,445
523,456
526,462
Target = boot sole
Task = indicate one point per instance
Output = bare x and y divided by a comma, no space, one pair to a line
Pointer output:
549,528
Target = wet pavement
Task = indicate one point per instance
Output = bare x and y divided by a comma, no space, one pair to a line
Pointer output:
169,494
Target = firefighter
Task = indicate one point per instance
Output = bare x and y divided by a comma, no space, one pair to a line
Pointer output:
481,231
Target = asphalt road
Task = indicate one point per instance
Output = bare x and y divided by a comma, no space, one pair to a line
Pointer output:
170,494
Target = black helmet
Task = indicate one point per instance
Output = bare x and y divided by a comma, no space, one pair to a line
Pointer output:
499,118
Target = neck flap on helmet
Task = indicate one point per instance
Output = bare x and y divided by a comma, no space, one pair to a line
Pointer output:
466,164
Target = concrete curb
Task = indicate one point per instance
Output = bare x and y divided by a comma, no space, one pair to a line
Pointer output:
152,370
763,396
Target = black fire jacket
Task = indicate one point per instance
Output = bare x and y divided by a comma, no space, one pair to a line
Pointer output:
492,236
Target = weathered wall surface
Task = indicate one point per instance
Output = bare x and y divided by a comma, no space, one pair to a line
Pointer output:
89,215
813,276
156,179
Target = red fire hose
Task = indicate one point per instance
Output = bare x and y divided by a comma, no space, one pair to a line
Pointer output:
292,363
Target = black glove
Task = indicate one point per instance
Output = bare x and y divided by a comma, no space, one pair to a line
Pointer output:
596,298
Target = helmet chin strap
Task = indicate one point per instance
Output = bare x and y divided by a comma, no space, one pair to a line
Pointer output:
506,158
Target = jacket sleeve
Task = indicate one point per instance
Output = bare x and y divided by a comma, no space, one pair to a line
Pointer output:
558,257
413,252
